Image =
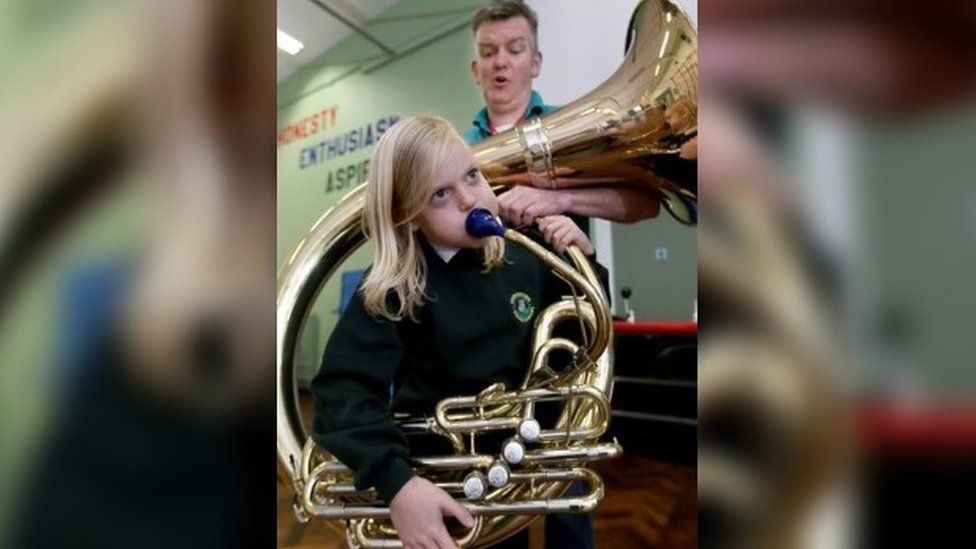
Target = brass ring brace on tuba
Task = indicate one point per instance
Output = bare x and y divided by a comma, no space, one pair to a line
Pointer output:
537,150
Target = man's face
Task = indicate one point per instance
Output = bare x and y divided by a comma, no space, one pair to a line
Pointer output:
505,62
458,187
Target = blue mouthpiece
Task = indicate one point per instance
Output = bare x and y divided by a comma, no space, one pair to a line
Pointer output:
480,223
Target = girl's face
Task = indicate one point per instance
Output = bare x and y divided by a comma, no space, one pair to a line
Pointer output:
458,187
675,119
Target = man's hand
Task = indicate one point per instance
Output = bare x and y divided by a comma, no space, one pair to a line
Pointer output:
417,512
560,231
520,206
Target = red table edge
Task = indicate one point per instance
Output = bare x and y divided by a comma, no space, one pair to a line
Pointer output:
670,328
925,426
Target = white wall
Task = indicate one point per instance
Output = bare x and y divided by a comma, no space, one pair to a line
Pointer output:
582,43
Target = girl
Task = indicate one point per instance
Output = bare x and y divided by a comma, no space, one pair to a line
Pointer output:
682,169
440,313
682,118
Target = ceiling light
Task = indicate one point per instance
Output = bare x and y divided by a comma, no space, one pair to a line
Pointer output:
288,43
664,44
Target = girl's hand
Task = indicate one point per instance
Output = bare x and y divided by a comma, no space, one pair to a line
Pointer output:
560,231
417,512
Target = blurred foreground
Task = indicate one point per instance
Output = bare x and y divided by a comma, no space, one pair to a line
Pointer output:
837,404
137,274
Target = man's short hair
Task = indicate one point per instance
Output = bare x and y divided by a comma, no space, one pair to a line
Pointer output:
500,10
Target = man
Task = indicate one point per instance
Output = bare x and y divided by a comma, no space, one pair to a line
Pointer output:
507,58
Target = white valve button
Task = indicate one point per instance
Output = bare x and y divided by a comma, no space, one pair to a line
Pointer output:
475,486
498,474
529,430
513,451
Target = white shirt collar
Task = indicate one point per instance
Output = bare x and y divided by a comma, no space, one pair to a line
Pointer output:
445,253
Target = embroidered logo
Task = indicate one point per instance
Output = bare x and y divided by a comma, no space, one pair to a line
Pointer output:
522,306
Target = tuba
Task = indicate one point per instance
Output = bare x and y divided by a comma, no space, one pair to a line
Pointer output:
611,136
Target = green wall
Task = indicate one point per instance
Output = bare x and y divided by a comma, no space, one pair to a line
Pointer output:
658,260
916,275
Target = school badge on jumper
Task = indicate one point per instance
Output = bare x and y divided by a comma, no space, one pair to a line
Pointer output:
522,306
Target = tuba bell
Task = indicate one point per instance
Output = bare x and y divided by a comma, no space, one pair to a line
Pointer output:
611,136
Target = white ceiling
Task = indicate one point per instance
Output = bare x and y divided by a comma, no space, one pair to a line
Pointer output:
318,29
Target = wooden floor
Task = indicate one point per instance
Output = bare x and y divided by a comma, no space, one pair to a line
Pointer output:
647,504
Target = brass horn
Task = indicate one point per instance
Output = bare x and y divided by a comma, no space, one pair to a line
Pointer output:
613,135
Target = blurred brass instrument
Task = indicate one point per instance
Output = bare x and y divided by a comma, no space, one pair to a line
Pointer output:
772,426
610,136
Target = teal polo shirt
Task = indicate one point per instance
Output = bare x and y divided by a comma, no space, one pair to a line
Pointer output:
481,129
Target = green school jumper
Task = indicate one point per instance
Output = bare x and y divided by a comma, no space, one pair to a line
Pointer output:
475,330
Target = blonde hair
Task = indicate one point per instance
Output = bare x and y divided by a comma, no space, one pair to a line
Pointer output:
689,110
401,173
